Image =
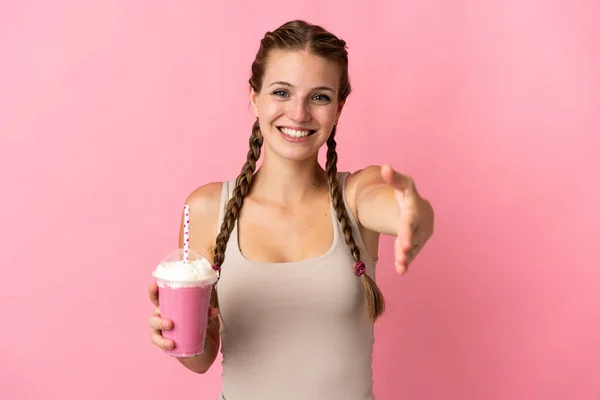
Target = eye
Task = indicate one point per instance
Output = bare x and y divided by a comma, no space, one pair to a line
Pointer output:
321,98
281,93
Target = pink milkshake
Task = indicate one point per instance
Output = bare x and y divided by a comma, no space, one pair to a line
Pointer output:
185,282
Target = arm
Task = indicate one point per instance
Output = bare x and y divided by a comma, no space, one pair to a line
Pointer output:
204,212
387,202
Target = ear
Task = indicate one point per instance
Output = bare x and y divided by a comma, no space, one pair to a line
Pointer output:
339,111
253,101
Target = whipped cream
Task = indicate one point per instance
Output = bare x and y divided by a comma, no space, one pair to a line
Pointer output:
182,274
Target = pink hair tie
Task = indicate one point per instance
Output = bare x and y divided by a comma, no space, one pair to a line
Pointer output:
216,268
359,268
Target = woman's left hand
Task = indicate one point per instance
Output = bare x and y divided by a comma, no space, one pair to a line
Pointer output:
415,224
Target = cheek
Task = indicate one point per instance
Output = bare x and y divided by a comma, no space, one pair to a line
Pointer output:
270,110
268,113
325,115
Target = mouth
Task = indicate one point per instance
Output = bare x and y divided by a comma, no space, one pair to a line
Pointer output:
295,132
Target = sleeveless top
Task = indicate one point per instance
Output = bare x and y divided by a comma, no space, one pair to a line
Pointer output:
295,330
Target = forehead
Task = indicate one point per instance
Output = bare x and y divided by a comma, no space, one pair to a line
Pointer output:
301,69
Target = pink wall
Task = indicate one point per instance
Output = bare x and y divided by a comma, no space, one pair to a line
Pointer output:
111,112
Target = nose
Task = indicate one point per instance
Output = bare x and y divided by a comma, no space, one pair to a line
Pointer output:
298,111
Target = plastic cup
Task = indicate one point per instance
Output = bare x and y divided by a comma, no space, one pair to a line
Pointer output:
185,300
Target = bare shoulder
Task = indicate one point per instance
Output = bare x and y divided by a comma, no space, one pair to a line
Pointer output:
359,180
205,200
204,203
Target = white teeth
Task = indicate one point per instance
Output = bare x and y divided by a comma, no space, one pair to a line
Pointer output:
294,133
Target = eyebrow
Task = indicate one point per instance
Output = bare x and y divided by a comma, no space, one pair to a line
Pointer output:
282,83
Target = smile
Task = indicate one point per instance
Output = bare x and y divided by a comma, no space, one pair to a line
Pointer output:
295,133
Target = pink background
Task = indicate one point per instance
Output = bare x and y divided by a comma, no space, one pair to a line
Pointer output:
112,111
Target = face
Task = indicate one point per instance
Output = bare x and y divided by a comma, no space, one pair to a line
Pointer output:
298,104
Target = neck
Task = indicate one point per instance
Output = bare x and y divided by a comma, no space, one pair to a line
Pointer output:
288,181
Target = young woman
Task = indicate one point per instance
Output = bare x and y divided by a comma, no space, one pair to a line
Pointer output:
297,244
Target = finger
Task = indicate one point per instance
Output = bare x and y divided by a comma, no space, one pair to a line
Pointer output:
396,179
153,293
413,252
404,236
160,323
401,267
408,223
401,259
406,251
406,231
160,341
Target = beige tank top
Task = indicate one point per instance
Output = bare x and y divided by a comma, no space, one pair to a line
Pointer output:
296,330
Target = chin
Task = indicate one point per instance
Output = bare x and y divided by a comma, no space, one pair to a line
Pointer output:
294,154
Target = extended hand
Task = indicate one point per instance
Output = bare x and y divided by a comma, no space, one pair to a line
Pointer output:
415,224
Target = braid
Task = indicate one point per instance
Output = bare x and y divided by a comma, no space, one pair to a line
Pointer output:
375,301
242,186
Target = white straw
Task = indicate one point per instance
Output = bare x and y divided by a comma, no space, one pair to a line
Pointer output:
186,234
